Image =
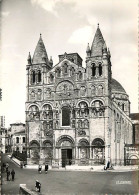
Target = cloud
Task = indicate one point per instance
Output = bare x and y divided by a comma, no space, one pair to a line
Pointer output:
81,35
48,5
5,13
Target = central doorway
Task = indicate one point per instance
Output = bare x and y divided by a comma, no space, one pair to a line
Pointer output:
66,157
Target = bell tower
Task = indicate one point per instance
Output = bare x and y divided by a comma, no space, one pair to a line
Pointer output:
98,64
37,67
98,73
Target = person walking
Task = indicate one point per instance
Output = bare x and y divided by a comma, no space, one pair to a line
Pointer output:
13,174
40,169
8,174
46,168
38,186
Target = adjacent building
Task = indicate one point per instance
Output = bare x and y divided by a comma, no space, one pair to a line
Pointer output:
18,137
76,113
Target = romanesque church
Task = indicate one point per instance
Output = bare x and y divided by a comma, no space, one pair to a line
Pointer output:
76,115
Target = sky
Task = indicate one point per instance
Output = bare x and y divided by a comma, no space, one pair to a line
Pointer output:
66,26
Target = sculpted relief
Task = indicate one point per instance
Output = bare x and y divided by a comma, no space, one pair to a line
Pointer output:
65,88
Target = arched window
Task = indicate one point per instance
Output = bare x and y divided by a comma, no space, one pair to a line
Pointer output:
72,71
51,78
65,68
100,69
58,71
93,69
123,107
33,77
65,116
80,75
17,140
23,139
39,76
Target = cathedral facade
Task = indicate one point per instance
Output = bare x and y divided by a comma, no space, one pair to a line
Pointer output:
76,115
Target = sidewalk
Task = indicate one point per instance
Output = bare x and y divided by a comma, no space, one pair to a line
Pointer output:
80,168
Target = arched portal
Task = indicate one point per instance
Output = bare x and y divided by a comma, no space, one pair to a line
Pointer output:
65,146
83,146
98,151
47,151
34,151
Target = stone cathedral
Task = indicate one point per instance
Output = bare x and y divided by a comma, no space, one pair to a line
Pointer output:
76,115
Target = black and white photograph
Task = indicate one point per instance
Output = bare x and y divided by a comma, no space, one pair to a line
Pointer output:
69,110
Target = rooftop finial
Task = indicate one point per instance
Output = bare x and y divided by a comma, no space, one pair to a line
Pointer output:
98,25
40,34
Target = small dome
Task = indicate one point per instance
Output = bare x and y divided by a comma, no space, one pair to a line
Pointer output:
117,87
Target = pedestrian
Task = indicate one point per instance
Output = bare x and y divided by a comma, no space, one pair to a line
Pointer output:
46,168
40,169
38,186
108,165
8,174
6,169
13,174
21,165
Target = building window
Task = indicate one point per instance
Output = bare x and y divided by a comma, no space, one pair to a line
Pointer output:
51,78
39,76
24,139
100,69
65,68
58,71
72,71
93,69
65,116
33,77
123,107
17,140
80,75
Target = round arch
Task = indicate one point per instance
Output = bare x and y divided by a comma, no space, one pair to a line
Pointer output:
47,103
65,138
83,142
33,104
35,143
82,101
97,99
47,143
98,142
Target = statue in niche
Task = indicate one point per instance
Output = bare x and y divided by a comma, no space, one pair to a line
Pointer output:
79,124
37,115
83,153
86,124
39,94
100,90
44,115
94,111
50,125
65,88
45,125
82,91
73,124
31,116
48,93
32,95
56,114
100,112
49,133
57,124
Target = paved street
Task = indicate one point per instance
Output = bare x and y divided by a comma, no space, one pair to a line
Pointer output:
72,182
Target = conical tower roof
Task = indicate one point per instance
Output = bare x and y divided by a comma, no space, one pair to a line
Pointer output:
98,42
40,53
